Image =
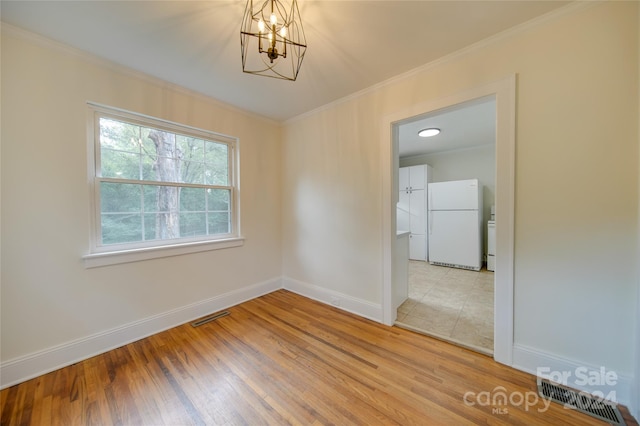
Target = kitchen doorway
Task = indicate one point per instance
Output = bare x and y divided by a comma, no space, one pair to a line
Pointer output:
453,303
504,92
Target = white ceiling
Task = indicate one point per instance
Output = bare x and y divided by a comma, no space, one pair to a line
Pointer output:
463,126
352,45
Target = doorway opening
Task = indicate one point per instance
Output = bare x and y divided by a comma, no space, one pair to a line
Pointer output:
446,199
503,92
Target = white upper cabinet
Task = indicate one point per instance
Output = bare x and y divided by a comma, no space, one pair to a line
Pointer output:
403,179
417,177
411,178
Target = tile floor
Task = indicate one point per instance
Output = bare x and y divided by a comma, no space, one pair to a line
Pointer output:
451,304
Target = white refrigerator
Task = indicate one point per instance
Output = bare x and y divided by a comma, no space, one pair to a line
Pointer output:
455,224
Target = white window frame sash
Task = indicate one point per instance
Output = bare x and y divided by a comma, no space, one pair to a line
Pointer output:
101,255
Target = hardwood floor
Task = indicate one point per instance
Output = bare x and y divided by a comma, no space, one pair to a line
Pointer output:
282,359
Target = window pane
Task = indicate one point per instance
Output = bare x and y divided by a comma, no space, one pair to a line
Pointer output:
193,224
192,172
167,170
167,199
193,200
120,213
148,166
151,226
119,197
147,141
121,228
163,215
217,159
164,143
147,145
150,194
119,164
219,223
218,199
119,136
191,149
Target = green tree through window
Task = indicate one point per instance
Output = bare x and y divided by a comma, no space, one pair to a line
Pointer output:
160,185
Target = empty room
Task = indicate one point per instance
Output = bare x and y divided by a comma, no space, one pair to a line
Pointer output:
201,213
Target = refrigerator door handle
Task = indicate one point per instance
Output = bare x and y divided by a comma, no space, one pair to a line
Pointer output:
430,222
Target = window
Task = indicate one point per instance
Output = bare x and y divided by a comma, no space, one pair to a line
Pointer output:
159,184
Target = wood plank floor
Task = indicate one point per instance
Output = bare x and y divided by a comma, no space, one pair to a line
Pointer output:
282,359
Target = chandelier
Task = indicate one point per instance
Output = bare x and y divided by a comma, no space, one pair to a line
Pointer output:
272,39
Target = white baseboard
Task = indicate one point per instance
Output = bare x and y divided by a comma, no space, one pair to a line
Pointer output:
29,366
363,308
578,376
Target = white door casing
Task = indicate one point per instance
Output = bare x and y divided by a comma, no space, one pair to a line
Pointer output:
504,91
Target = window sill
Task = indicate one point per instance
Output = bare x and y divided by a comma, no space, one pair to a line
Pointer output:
95,260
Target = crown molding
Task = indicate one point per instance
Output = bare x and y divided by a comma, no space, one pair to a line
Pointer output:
554,15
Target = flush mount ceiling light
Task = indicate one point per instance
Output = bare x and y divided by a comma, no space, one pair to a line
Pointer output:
427,133
272,39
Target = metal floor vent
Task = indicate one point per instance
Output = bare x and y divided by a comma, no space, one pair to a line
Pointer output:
209,318
581,401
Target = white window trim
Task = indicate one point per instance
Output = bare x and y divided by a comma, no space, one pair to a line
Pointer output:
111,255
95,260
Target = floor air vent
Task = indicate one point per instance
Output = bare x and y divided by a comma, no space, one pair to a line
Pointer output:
209,318
581,401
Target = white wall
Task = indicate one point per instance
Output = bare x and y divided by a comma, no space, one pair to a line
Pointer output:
576,223
48,298
471,163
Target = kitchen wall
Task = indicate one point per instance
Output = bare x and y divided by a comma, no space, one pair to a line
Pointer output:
52,307
471,163
576,200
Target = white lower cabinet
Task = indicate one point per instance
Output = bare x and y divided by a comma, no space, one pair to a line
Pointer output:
417,247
